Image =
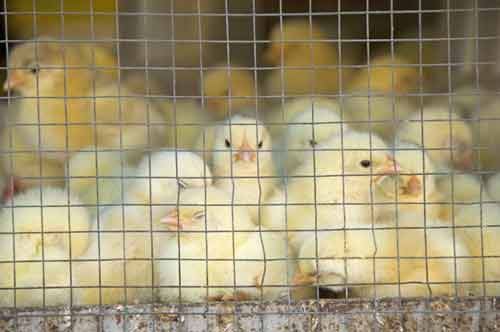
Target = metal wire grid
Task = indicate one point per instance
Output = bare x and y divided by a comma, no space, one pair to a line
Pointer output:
254,68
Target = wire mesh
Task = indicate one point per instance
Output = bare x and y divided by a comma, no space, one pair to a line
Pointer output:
249,165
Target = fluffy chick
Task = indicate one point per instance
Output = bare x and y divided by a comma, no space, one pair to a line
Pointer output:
213,226
337,187
295,44
486,134
421,261
493,187
87,96
228,90
96,176
440,131
28,166
242,161
319,120
40,227
130,235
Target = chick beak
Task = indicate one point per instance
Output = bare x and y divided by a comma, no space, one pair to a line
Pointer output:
390,167
413,187
173,221
12,82
304,278
246,152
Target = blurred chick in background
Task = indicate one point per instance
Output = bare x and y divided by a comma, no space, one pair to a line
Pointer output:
445,136
319,120
243,162
65,236
228,90
298,43
53,69
376,105
130,235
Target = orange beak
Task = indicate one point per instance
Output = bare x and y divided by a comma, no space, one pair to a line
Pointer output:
413,187
173,221
246,152
466,162
390,167
304,279
12,82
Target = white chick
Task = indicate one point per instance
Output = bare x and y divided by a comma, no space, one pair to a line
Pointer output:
228,90
96,176
242,162
41,229
299,44
441,131
129,236
387,262
337,186
319,120
486,134
493,187
215,261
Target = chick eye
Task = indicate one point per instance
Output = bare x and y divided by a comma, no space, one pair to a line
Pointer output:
312,143
228,144
261,143
365,163
34,69
199,215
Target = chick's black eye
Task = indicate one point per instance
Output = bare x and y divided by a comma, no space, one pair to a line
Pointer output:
312,143
228,144
260,144
34,69
365,163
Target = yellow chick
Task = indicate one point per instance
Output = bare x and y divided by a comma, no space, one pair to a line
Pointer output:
441,131
40,229
320,119
484,119
71,96
338,186
386,262
185,121
96,177
299,44
130,235
386,74
26,165
228,90
478,225
243,162
216,261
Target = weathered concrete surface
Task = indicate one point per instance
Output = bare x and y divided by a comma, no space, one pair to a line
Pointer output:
439,314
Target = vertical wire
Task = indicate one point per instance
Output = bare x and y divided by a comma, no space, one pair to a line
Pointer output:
451,148
478,110
11,164
66,146
122,165
230,124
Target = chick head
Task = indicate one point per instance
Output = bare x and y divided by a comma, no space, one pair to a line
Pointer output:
228,90
164,174
319,120
294,37
48,68
51,211
446,137
209,208
243,145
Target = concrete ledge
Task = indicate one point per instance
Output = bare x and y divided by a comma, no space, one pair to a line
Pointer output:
436,314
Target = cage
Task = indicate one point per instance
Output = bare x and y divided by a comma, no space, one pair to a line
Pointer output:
250,165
